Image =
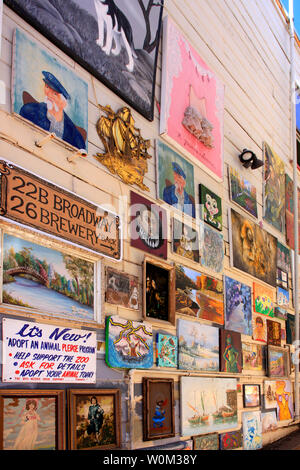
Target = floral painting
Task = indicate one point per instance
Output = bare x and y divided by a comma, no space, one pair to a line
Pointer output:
242,192
274,189
211,248
238,306
211,207
264,299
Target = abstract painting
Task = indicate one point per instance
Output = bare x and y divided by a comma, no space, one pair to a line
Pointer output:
252,430
253,356
238,306
175,179
231,440
211,248
211,207
192,104
148,226
277,361
206,442
242,192
166,350
48,94
279,395
185,240
273,332
259,325
198,346
158,408
208,404
230,351
290,328
283,297
122,289
251,395
283,257
126,62
94,419
32,420
269,421
252,249
198,295
274,189
264,299
129,344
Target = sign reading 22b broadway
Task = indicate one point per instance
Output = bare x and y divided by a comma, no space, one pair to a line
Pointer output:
29,200
34,352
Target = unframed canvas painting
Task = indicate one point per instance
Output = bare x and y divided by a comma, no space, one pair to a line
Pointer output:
185,240
230,351
264,299
279,395
211,248
122,289
274,189
238,306
166,350
252,430
253,356
242,192
211,207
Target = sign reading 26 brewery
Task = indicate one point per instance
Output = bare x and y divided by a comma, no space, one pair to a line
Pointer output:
29,200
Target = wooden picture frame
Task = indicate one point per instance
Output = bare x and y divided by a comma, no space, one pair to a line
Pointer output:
109,402
278,362
152,268
158,408
248,390
31,406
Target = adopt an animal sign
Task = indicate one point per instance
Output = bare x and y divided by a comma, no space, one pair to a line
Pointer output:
34,352
29,200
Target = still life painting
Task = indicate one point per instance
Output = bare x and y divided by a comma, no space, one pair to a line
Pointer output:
238,306
211,207
274,189
166,350
211,248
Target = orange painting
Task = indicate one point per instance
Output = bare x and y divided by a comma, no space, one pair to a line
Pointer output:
263,299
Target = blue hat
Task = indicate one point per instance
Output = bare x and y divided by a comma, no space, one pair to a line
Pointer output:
178,170
53,83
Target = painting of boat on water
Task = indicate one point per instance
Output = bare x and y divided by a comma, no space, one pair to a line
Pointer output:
47,280
208,404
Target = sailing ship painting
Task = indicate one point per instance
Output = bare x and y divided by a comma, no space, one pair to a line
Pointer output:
208,405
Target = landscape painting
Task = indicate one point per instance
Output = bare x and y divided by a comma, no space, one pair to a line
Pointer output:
230,352
251,395
122,289
47,280
198,346
211,207
208,404
274,189
198,295
278,361
252,249
253,356
238,306
264,299
166,350
211,248
252,430
185,241
242,192
119,48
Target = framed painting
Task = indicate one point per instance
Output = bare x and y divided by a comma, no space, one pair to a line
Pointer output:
279,395
252,249
282,279
283,297
185,240
208,404
230,351
273,189
238,306
126,62
41,279
47,93
283,257
148,226
211,248
198,346
122,289
273,333
251,395
277,361
175,179
242,192
94,419
198,295
32,420
290,328
259,328
158,408
231,440
252,430
129,344
269,421
207,442
192,104
158,291
253,356
211,207
264,299
166,350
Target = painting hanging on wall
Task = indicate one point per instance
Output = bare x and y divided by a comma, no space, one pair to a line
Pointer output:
192,103
208,404
207,442
32,420
277,361
47,93
238,306
148,226
253,356
129,344
94,419
274,189
231,440
178,445
279,395
252,430
46,280
211,207
166,350
251,395
230,351
198,346
282,279
211,248
175,179
119,45
273,332
280,312
264,299
283,297
259,325
242,192
185,241
198,295
283,257
290,328
252,249
122,289
269,421
158,408
289,212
